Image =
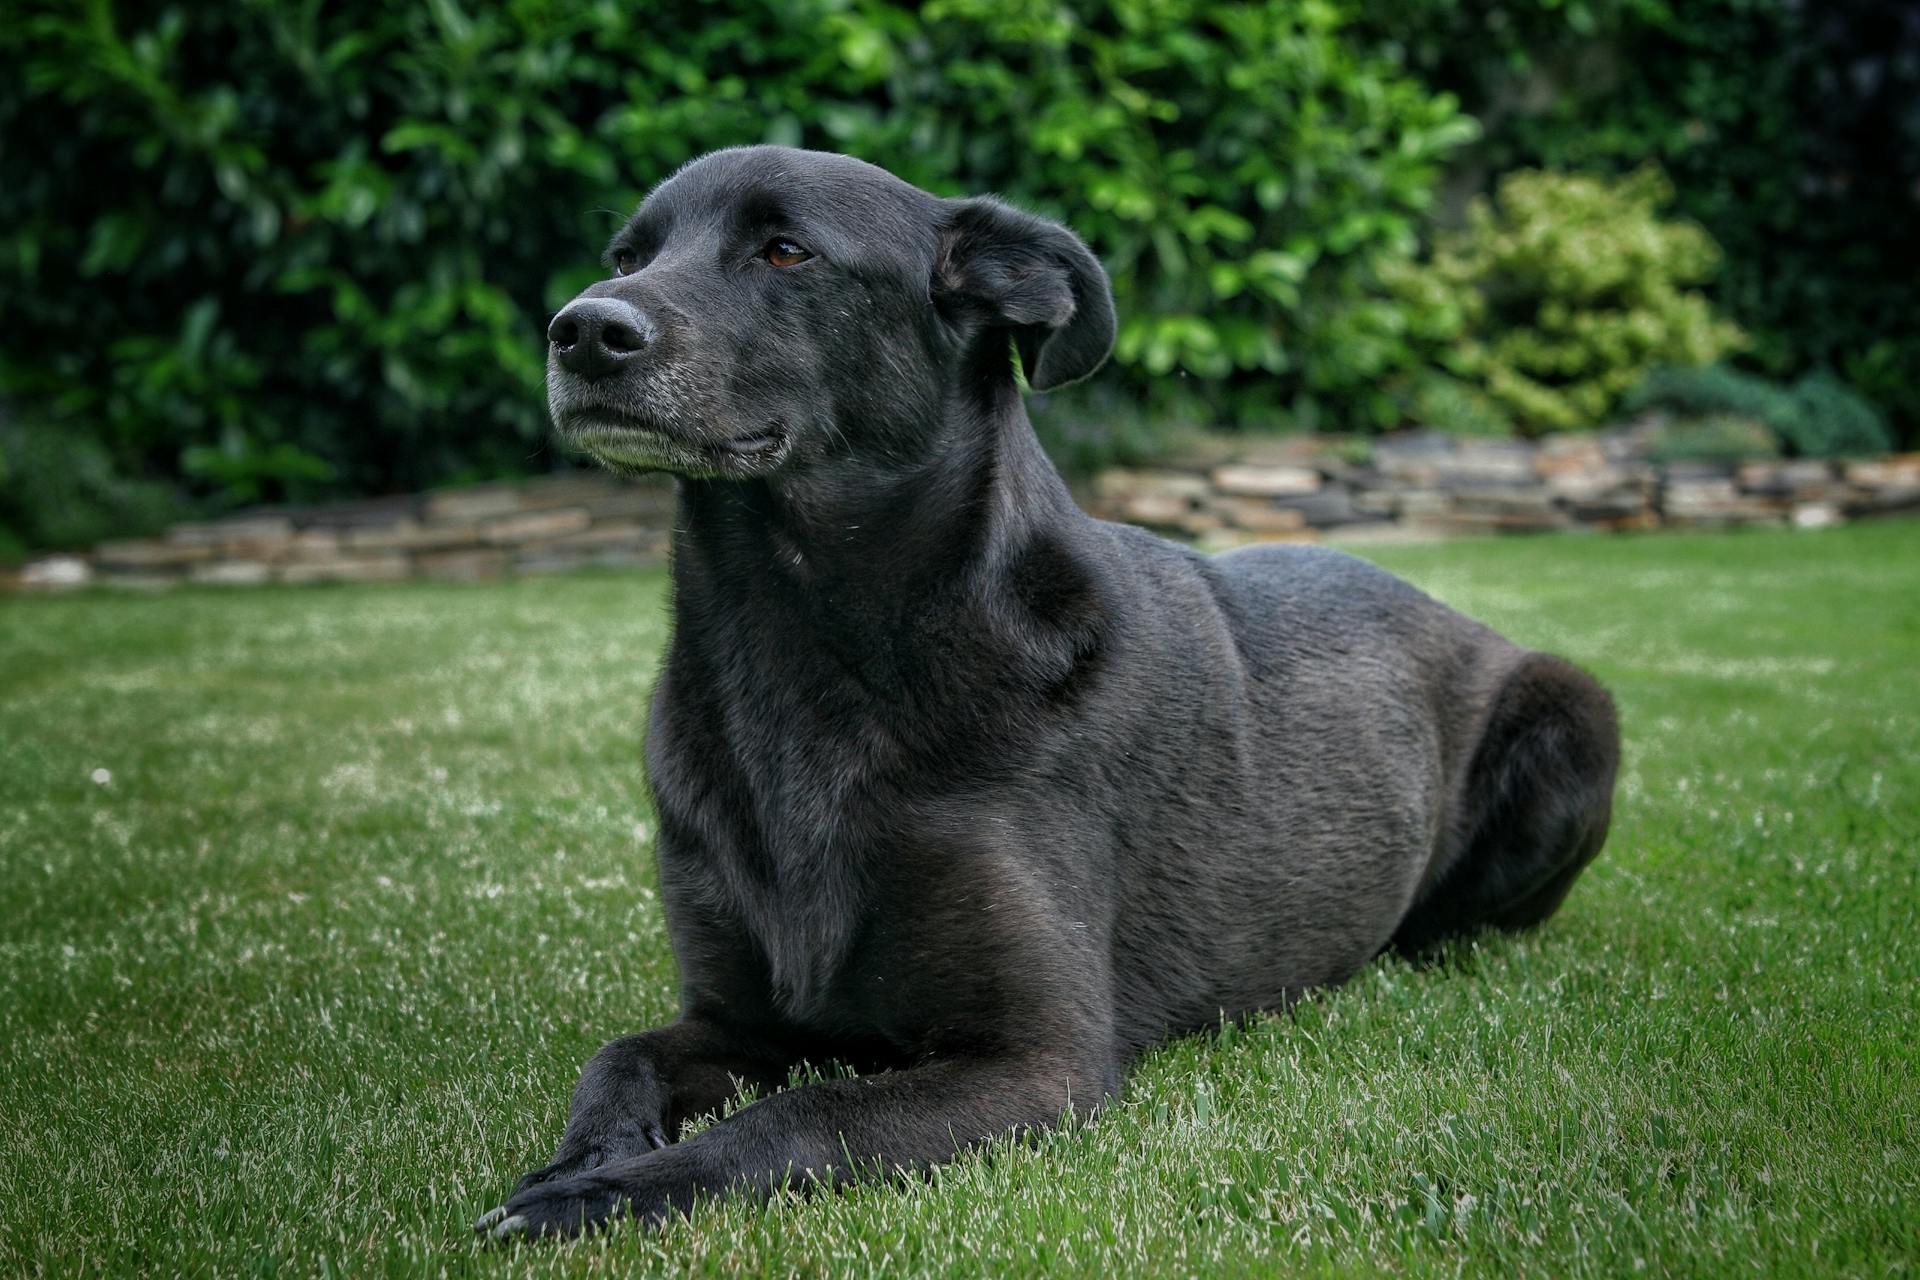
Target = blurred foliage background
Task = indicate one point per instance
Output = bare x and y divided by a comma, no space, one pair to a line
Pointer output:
257,250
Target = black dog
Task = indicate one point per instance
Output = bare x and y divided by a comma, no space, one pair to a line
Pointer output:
956,784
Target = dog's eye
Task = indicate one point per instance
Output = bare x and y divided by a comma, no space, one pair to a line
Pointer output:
625,262
784,253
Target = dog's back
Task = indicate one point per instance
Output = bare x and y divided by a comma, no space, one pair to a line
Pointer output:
1298,768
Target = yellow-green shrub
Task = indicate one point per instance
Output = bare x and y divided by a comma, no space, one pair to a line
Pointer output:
1561,294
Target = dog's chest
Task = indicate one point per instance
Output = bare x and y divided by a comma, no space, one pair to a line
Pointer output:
787,809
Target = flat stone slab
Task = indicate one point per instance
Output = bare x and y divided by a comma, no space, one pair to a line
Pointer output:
540,560
1817,515
1265,482
478,503
1258,516
412,535
151,553
1486,464
232,573
1899,471
56,573
609,534
535,526
1324,509
1785,479
373,568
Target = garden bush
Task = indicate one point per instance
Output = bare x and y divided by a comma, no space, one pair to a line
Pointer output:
285,252
58,489
1817,417
1561,294
1448,404
1787,128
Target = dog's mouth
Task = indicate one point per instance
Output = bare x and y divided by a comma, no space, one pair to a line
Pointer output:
625,444
762,444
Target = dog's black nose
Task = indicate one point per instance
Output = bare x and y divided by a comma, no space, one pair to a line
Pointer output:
594,336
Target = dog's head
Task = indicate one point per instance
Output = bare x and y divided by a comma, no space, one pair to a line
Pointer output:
769,308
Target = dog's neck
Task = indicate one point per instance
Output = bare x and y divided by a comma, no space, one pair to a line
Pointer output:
882,570
885,526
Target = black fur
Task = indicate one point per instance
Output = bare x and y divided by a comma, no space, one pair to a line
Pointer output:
956,784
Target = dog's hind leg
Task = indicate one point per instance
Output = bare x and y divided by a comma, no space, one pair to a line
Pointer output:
1536,805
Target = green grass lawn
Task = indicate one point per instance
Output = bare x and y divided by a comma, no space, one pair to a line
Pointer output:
313,901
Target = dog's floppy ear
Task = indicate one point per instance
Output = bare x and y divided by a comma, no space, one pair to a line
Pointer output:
1032,277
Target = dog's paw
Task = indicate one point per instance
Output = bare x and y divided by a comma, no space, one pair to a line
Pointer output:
565,1207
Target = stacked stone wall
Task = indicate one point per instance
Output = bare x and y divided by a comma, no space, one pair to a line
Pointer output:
1425,485
1225,492
547,525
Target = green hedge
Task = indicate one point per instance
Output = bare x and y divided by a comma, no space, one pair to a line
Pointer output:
285,251
261,251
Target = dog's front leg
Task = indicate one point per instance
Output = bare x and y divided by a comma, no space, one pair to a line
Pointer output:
636,1092
828,1132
